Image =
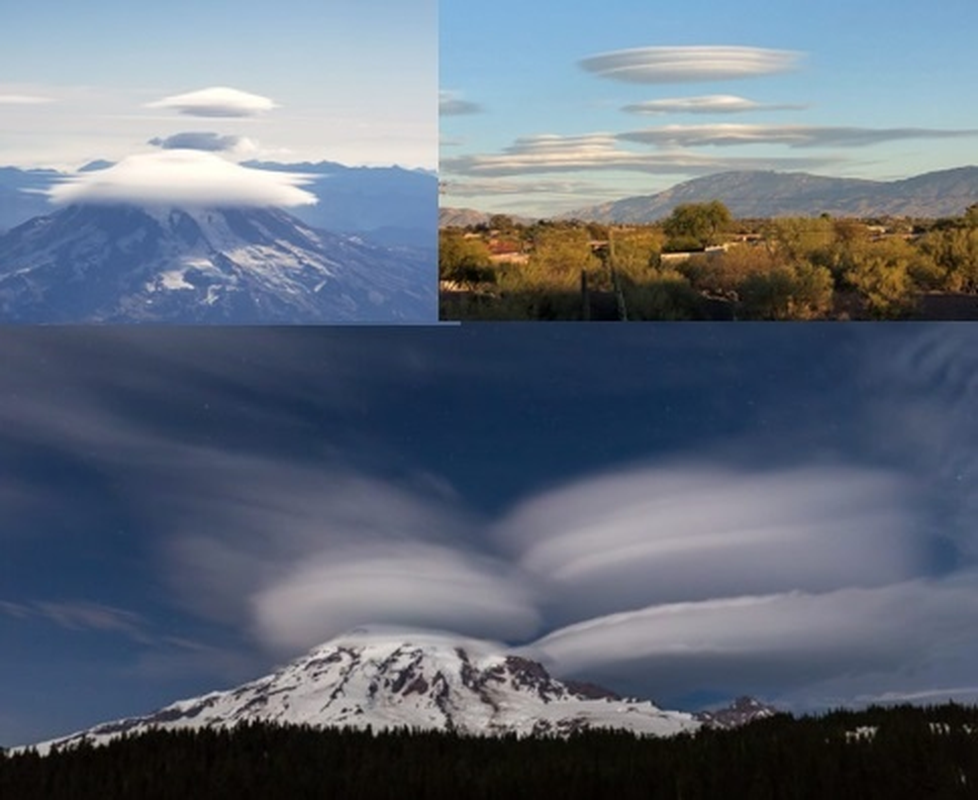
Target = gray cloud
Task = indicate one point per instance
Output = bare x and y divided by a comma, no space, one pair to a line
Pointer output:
706,104
216,101
791,135
209,142
451,105
690,64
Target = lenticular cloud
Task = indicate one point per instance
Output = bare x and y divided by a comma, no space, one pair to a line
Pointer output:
216,101
689,64
183,178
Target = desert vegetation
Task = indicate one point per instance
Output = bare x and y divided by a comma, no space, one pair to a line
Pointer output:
700,263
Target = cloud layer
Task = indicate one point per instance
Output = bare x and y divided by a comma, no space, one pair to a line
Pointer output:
216,101
183,178
600,151
690,64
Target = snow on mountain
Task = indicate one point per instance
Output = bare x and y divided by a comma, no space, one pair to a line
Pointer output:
739,712
123,263
420,680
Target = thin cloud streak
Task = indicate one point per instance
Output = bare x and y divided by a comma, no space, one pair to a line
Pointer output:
690,64
706,104
722,135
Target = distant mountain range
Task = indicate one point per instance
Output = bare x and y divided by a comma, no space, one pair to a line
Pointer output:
779,194
387,205
463,217
129,264
423,681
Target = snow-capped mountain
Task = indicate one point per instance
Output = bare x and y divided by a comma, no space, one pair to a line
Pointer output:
739,712
123,263
421,680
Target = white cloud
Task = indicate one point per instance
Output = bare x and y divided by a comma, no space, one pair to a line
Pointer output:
785,642
690,64
407,583
451,105
694,532
183,178
705,104
216,101
791,135
206,141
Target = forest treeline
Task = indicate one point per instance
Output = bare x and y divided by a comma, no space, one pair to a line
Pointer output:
886,753
700,263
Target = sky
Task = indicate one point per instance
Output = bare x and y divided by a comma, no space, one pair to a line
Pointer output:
331,80
554,107
683,513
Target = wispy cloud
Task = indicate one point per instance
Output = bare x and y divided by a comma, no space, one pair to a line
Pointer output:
208,142
24,100
216,101
81,615
450,104
706,104
791,135
690,64
186,178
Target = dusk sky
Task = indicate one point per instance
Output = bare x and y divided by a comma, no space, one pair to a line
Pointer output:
550,107
685,513
331,80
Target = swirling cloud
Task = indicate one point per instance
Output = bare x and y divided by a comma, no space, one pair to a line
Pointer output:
183,178
690,64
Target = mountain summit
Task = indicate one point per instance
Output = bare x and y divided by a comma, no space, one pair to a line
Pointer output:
127,263
423,680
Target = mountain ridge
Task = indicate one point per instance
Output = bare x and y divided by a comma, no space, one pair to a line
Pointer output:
769,194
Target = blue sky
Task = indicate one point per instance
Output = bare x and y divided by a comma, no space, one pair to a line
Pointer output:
353,82
870,66
682,512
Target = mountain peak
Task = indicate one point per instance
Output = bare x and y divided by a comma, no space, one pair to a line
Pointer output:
428,680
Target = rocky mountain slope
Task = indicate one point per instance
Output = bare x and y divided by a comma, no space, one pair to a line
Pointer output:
124,263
